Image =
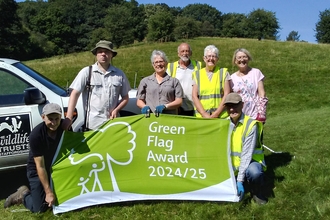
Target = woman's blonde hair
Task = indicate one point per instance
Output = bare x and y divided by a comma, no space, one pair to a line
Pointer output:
243,50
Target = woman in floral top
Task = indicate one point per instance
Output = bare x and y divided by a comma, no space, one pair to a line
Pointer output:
249,83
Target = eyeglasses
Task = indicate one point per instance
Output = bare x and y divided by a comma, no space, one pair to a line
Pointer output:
211,57
242,58
159,62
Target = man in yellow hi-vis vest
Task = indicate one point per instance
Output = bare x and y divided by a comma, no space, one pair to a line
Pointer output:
182,70
246,150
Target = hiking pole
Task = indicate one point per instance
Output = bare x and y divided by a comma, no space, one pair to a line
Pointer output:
275,152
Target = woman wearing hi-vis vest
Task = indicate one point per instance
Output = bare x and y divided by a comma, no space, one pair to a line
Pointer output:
210,86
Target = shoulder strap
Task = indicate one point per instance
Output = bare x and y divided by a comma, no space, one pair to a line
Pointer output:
88,82
88,87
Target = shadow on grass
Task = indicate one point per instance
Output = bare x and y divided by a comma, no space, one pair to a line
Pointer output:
273,161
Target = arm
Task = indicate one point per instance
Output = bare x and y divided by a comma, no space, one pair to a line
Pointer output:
42,174
72,105
261,89
197,103
175,104
221,106
247,152
178,96
140,103
121,105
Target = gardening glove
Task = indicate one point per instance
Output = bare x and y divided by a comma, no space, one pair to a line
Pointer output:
262,106
159,109
240,190
146,110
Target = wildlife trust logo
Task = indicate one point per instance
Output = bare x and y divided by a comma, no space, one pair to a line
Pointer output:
14,134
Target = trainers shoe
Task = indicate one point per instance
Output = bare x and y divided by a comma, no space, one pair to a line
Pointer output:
259,200
16,197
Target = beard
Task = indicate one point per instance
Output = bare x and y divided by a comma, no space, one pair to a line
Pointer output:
185,59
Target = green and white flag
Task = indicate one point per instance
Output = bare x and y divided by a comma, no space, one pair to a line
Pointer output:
137,158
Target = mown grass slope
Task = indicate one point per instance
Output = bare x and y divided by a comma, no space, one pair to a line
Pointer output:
297,87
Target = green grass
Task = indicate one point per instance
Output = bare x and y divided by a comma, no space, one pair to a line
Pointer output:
297,87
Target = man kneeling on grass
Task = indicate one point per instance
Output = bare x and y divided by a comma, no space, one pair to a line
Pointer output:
44,139
246,150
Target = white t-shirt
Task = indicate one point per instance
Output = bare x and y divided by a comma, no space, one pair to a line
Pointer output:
184,75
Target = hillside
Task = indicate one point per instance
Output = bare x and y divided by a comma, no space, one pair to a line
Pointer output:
295,71
296,85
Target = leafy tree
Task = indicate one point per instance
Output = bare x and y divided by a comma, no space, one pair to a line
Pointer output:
186,28
262,24
293,36
206,14
161,26
119,23
97,35
14,39
28,12
67,25
234,25
207,29
139,23
152,9
323,27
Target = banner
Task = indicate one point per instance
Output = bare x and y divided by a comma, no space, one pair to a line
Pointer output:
137,158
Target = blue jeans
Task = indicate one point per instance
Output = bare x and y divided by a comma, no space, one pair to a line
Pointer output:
35,199
255,174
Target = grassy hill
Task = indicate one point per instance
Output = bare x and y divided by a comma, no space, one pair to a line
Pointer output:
297,87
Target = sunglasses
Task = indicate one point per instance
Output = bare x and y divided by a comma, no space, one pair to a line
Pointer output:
232,105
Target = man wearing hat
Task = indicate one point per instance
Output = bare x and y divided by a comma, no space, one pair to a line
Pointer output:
246,149
43,142
101,85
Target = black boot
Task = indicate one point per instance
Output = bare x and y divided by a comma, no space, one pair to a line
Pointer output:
257,194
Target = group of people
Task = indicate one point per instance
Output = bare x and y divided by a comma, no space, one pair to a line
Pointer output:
182,87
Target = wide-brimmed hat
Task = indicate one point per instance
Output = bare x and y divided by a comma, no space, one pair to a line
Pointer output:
106,45
233,98
52,108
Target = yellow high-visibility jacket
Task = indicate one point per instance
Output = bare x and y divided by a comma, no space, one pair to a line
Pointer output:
237,139
171,67
210,93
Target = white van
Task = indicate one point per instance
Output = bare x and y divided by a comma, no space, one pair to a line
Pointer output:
23,94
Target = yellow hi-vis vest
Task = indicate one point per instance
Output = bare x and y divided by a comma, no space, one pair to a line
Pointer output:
210,93
171,67
237,139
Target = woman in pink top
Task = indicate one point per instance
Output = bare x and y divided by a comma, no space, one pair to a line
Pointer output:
248,82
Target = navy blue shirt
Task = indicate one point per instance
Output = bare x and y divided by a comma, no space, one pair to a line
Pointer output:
42,145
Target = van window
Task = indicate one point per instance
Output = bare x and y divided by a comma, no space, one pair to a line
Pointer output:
12,89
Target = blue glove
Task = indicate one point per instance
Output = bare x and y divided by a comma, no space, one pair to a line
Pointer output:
240,190
145,110
159,109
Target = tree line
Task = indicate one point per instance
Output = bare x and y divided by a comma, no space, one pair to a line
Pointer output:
37,29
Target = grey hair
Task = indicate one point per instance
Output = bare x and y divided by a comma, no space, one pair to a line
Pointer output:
188,46
158,53
243,50
212,49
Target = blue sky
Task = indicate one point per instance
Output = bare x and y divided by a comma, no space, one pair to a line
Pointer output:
292,15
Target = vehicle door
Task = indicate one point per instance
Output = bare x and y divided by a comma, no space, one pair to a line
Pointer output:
16,120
